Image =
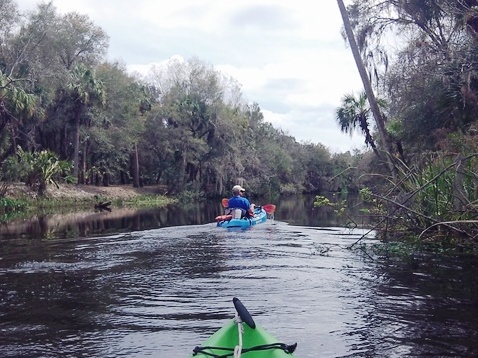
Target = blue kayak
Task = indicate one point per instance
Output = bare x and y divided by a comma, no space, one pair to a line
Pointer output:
227,221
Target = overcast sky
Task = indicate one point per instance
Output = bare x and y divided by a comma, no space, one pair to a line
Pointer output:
288,56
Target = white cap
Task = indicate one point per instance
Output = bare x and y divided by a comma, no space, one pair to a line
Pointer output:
237,189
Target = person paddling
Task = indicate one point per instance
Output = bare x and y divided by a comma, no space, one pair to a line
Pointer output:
237,201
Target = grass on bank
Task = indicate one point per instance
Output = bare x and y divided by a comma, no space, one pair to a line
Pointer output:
25,206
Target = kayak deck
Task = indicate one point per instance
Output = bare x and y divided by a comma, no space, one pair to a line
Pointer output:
256,343
237,339
227,221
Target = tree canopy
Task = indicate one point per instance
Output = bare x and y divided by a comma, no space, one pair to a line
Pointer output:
185,125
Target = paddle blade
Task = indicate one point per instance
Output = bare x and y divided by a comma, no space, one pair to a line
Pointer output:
269,208
225,203
243,313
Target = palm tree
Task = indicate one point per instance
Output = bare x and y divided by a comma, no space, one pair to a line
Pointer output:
84,92
355,112
374,108
16,105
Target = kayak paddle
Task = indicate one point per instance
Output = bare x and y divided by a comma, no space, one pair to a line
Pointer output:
225,203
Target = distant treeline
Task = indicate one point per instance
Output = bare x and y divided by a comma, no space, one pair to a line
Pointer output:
185,126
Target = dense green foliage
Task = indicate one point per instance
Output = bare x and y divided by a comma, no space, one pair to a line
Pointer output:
185,125
429,79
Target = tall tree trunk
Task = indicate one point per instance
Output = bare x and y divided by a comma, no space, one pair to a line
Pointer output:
379,120
14,139
76,149
183,171
84,168
135,166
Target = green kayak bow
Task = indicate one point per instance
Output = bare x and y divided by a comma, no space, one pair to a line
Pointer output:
242,337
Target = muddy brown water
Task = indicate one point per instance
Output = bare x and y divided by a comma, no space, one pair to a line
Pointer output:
140,290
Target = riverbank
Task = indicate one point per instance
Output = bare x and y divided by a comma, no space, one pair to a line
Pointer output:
20,202
85,192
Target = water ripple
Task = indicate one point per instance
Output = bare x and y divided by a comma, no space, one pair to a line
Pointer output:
161,292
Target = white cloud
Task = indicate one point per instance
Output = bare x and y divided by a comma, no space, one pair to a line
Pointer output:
288,56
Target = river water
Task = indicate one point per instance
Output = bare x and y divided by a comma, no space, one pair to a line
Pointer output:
145,291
